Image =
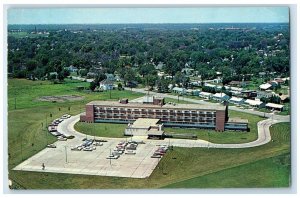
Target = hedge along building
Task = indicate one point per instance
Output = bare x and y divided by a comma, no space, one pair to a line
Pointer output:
171,115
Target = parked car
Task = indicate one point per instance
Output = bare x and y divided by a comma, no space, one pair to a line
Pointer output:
156,156
130,152
70,136
97,143
87,149
131,147
51,146
113,157
100,140
60,138
116,153
76,148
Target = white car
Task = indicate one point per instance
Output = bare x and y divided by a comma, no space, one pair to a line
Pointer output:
77,148
87,149
62,139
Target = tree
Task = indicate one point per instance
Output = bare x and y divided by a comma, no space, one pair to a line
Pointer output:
120,87
129,75
31,65
93,85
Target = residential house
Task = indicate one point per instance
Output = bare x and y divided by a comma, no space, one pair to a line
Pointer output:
249,94
110,77
220,97
274,106
265,86
273,83
236,100
106,85
179,90
205,95
264,94
72,68
193,92
284,98
255,103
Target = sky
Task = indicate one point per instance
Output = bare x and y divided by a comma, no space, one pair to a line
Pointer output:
148,15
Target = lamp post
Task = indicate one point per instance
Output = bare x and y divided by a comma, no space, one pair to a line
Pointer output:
66,154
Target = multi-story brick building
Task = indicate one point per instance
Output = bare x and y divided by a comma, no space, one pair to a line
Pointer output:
171,115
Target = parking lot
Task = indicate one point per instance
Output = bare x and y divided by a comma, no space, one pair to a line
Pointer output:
63,160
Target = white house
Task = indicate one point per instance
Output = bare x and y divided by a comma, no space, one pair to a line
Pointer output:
179,90
210,85
236,100
205,95
274,106
220,97
265,86
106,85
255,103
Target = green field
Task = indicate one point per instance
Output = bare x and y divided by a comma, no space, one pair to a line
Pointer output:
101,129
27,93
26,137
245,175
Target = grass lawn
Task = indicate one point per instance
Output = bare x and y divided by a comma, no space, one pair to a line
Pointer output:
27,93
198,162
101,129
227,137
245,175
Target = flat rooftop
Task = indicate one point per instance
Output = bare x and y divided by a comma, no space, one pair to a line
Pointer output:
145,123
237,120
168,106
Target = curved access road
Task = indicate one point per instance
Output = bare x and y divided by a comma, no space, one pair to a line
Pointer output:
264,136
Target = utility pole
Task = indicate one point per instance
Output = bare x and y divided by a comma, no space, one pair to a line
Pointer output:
110,156
66,154
22,147
46,122
109,93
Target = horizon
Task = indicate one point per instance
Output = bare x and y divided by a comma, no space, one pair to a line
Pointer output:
151,23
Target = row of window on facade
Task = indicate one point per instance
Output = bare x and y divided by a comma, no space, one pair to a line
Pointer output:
167,117
154,110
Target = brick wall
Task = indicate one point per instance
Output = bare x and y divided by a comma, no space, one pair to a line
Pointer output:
89,115
220,120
